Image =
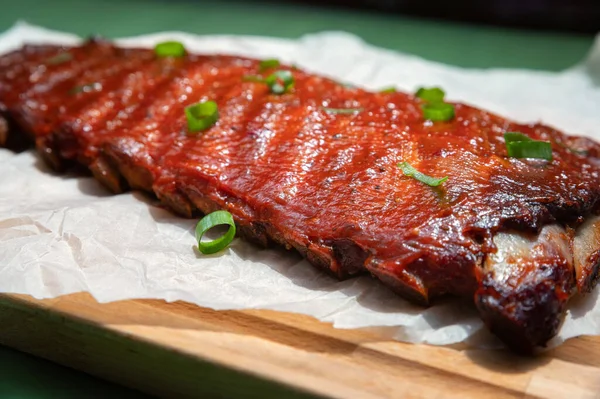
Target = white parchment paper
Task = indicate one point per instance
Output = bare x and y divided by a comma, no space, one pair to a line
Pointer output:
64,234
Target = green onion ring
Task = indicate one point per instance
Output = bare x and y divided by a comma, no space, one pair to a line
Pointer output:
209,221
201,116
268,64
280,82
438,112
432,95
169,49
530,149
519,145
509,137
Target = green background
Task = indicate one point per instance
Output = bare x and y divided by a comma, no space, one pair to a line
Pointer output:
463,45
23,376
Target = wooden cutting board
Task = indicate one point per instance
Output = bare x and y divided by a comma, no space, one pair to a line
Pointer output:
181,350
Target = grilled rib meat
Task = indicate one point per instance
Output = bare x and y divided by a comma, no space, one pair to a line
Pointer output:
519,236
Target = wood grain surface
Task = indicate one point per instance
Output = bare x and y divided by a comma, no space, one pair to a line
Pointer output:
181,350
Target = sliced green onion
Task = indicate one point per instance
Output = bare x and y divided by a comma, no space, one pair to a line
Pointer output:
59,58
342,110
280,81
94,86
388,90
530,149
432,95
169,49
208,222
408,170
268,64
509,137
201,116
519,145
438,112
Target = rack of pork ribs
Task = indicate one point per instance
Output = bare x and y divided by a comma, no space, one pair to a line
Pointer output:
518,236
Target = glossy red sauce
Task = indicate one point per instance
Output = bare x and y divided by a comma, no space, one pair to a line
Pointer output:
319,177
314,177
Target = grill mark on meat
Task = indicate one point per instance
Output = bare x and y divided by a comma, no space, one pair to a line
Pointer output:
108,80
235,102
35,108
261,146
16,67
117,108
53,140
107,166
287,157
75,129
88,87
14,64
81,89
236,148
294,159
239,142
346,206
140,104
136,149
232,139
